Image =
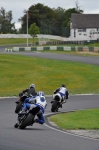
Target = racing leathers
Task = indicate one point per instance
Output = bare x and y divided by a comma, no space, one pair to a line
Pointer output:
63,93
30,91
36,101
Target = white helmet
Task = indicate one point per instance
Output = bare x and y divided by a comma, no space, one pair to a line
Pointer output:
41,94
32,85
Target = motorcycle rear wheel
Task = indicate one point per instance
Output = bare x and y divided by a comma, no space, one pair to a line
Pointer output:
54,107
28,121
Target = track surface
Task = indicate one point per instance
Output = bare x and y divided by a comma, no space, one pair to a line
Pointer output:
42,137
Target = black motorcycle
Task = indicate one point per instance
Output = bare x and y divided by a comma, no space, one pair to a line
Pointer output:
27,119
20,101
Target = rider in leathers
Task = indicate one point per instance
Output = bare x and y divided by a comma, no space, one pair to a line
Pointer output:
35,101
63,91
30,91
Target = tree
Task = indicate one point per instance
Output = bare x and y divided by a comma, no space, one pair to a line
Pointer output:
78,7
57,23
5,22
34,30
40,14
50,21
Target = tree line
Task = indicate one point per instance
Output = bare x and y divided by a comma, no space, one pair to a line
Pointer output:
49,20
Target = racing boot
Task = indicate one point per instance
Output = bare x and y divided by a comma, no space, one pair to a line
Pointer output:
16,124
60,105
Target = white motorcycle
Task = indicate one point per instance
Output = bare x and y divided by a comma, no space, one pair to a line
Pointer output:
57,102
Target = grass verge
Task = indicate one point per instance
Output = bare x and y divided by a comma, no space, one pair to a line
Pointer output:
7,41
18,72
83,119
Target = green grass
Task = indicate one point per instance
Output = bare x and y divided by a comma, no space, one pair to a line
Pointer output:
4,41
7,41
83,119
18,72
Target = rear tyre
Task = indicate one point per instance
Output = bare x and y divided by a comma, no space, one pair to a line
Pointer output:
28,121
54,107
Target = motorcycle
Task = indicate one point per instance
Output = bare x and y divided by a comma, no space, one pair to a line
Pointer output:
56,102
20,101
27,119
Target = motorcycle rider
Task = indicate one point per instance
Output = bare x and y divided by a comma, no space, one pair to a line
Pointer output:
30,91
33,102
63,91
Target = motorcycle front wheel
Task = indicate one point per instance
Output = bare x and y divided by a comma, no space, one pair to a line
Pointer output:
18,107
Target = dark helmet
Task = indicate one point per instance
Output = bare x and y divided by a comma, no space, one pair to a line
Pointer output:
63,85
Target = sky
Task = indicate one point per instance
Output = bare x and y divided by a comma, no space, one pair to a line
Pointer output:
18,6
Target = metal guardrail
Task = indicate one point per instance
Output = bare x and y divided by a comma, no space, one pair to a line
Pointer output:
61,48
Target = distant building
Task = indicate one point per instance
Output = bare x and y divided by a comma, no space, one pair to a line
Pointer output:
84,26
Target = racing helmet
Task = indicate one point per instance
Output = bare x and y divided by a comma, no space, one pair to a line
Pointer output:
40,93
32,85
63,85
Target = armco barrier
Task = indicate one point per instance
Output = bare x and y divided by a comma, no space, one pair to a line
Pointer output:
46,48
80,49
33,49
8,50
61,48
91,49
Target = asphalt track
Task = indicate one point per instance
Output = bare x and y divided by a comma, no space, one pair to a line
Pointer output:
44,137
73,58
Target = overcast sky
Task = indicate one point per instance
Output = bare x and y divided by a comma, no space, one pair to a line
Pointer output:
18,6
